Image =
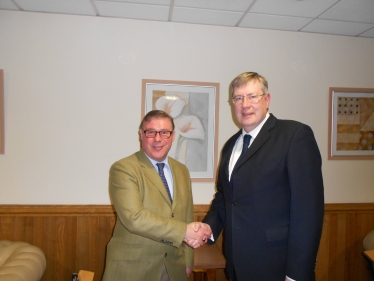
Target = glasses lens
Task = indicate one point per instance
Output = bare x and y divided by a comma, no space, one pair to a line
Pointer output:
152,134
238,99
253,98
250,98
164,134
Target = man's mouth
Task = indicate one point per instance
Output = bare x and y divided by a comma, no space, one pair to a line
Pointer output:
246,114
158,147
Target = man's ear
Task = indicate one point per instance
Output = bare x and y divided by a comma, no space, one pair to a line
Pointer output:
173,136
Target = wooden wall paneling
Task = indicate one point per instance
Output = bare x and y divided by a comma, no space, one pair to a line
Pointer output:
70,246
82,243
54,244
105,231
332,245
341,243
349,249
93,252
75,237
336,246
6,229
28,224
364,224
323,252
18,227
38,233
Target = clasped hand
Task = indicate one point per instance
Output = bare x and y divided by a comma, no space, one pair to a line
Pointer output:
197,234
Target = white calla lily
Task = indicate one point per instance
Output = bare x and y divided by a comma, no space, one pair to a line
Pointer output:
172,105
191,127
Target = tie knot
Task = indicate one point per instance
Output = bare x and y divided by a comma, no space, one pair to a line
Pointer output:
247,139
160,166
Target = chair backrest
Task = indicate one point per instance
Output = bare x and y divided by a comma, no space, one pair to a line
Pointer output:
368,242
21,261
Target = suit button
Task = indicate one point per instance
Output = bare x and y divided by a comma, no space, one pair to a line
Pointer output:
233,204
165,255
172,215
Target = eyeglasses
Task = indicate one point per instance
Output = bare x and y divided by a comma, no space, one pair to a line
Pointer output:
251,98
153,134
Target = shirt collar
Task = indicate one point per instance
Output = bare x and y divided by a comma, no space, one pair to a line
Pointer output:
256,130
154,162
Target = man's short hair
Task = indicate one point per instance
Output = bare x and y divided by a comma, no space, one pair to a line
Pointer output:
156,114
244,78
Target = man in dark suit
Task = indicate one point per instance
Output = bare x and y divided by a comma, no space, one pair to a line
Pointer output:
269,199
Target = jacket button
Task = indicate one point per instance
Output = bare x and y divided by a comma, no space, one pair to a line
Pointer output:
165,255
172,215
233,204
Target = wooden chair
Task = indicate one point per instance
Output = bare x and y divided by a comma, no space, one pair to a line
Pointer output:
208,258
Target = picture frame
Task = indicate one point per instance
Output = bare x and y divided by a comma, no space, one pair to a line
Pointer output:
351,124
194,109
2,122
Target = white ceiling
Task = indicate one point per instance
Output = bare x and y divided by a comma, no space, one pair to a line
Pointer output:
339,17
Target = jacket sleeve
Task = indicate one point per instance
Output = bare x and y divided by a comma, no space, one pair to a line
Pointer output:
216,217
188,251
307,204
127,195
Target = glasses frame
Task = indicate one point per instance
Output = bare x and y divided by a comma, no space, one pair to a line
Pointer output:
248,99
157,132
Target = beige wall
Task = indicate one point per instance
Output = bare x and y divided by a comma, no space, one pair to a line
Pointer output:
73,95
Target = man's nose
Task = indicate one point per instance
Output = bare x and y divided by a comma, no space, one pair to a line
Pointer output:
158,136
246,102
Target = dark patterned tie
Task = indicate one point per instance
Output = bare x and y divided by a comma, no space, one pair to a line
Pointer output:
160,167
246,140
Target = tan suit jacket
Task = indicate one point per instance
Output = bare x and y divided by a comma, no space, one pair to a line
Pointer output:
149,230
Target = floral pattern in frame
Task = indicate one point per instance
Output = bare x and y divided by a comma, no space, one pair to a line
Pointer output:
194,109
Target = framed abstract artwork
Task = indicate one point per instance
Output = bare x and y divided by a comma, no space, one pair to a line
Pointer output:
194,109
351,123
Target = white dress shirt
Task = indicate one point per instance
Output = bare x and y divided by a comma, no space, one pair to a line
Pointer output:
237,150
167,173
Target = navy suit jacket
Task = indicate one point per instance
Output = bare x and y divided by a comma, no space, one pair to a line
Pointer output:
272,208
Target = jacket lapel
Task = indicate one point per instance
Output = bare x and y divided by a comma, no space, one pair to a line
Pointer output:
175,183
262,137
226,156
152,175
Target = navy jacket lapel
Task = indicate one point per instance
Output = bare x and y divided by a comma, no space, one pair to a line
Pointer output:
226,156
262,137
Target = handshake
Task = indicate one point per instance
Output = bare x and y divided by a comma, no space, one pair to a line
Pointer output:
197,234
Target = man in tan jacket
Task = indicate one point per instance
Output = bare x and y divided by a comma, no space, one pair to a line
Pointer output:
152,195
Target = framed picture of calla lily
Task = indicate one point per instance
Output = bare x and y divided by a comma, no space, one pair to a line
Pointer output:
194,108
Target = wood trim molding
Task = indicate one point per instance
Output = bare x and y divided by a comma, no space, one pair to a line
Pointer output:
102,210
57,210
349,207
